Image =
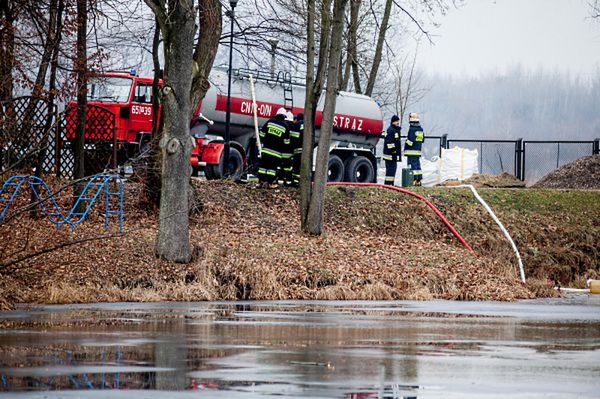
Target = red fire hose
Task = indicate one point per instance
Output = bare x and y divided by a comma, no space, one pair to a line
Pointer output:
429,204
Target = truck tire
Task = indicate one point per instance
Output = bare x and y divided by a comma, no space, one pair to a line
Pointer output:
359,170
236,166
335,169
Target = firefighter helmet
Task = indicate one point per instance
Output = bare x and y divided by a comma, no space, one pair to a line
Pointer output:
289,116
413,117
281,111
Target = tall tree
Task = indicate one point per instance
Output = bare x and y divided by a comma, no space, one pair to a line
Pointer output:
81,70
185,84
314,87
379,48
351,53
176,19
8,15
314,216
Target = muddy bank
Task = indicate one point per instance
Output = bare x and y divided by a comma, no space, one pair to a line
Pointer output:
379,245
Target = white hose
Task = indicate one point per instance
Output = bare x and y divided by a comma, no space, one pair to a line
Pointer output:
583,290
499,223
254,115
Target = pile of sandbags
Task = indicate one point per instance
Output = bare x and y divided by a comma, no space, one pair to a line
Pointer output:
454,164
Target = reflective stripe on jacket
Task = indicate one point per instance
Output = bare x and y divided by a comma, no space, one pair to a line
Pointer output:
391,144
414,140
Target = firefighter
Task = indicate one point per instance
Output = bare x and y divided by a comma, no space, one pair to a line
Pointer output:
273,135
296,143
412,147
391,150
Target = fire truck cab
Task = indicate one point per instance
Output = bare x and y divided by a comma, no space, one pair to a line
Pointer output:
128,98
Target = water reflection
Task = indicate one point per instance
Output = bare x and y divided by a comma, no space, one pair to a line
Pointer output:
296,349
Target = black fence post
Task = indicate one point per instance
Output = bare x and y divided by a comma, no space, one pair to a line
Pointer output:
596,150
519,160
444,141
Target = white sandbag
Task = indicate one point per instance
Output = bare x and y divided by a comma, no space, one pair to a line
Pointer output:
458,164
431,171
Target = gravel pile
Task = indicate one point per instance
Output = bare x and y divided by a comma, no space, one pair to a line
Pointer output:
583,173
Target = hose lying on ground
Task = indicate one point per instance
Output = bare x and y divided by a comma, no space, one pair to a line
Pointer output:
420,197
499,223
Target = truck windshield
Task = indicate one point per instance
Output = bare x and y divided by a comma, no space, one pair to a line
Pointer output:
109,89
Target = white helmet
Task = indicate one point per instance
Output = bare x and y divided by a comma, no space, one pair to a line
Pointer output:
289,116
281,111
413,117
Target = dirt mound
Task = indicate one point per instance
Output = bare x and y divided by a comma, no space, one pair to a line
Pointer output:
504,180
583,173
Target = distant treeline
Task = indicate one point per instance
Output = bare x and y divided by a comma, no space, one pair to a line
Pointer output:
532,105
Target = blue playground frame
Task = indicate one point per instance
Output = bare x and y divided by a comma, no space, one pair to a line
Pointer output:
96,186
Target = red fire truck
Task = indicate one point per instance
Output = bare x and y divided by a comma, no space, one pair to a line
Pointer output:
358,120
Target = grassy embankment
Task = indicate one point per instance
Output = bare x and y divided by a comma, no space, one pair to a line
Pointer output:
379,245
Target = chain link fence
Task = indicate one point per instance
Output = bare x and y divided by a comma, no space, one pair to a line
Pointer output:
495,157
34,136
542,157
27,132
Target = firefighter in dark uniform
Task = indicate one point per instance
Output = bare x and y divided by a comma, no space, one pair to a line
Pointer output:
273,136
296,134
412,147
391,150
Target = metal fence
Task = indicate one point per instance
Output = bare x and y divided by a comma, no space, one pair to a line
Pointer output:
528,160
34,135
541,157
495,156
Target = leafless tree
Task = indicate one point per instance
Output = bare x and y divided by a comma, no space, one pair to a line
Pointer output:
312,206
81,68
595,8
185,82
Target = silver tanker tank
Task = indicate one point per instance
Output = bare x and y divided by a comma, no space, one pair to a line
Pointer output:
358,120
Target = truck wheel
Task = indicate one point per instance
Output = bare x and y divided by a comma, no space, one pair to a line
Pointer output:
208,172
335,169
359,170
236,166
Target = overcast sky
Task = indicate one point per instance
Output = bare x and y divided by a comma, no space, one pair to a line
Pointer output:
486,36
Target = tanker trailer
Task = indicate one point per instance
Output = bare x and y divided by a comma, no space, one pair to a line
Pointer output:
119,118
358,123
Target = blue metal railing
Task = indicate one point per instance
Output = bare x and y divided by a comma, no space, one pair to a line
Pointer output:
96,186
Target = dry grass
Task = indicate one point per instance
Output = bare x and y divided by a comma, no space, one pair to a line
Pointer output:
377,245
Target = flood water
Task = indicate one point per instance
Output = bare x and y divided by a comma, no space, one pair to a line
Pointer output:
404,349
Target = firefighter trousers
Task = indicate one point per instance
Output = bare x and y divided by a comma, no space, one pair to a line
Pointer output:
269,165
390,172
296,161
414,162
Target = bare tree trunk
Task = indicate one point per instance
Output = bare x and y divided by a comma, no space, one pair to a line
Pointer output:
55,32
314,87
7,49
154,156
351,50
379,48
324,41
177,25
314,222
40,139
309,111
211,25
81,68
